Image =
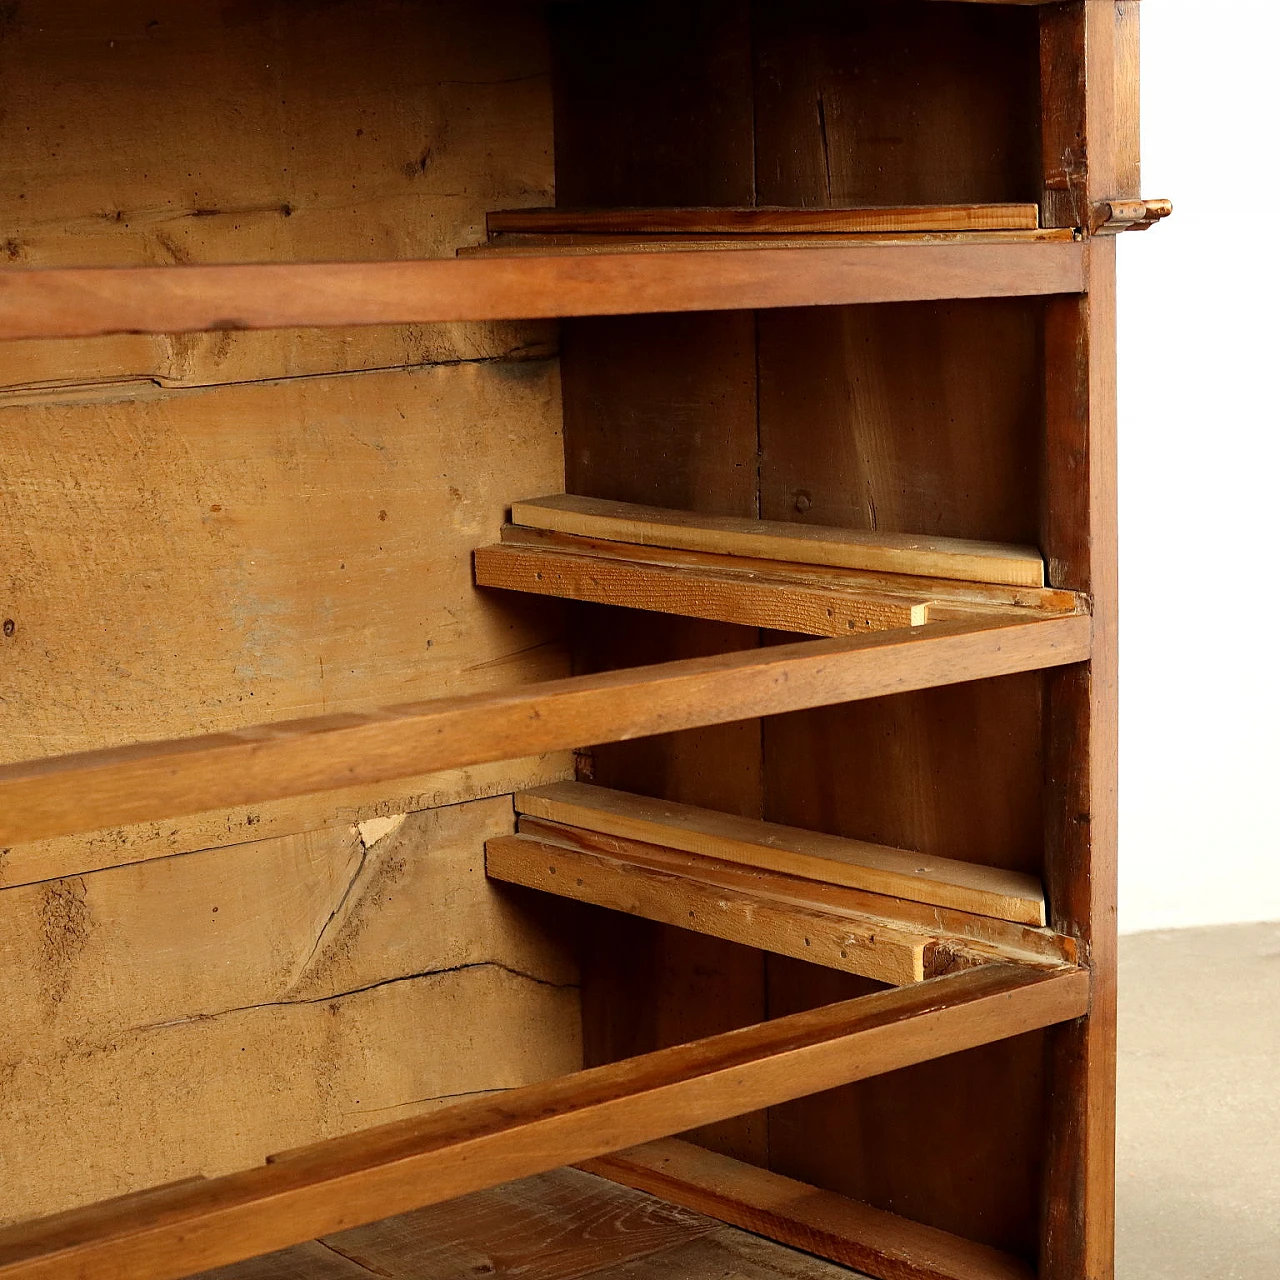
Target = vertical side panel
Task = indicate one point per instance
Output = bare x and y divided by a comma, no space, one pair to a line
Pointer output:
1079,536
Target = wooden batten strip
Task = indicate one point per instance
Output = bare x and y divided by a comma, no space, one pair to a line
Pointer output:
722,596
820,1222
156,780
778,540
757,918
811,855
411,1163
746,221
83,302
959,932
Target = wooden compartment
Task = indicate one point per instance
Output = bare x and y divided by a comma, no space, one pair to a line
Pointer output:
311,912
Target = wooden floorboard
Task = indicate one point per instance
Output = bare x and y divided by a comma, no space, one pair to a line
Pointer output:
563,1225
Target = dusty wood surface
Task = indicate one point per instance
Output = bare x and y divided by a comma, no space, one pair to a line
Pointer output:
812,855
565,1225
409,1164
831,1226
728,221
195,1013
185,555
917,555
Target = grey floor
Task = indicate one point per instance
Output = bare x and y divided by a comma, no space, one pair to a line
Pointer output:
1198,1194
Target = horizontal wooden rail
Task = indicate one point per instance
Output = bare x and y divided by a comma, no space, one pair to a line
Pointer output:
82,302
759,220
962,931
768,911
157,780
915,554
426,1160
793,851
819,1222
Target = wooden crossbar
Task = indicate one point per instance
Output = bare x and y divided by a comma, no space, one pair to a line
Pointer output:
90,790
411,1163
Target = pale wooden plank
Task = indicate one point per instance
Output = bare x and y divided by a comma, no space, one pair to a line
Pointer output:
813,855
820,1222
946,598
734,221
870,947
711,593
780,540
75,302
391,1169
967,932
131,784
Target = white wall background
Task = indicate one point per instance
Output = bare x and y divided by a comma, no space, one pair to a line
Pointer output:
1199,489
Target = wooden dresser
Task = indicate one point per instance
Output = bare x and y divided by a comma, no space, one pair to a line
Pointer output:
559,637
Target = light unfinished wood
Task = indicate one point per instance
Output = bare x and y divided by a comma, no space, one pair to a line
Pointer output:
947,599
465,1148
758,220
811,855
776,540
763,918
853,1234
248,998
714,592
131,784
959,931
74,302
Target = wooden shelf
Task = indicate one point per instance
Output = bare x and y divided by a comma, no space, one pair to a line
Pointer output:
810,855
94,789
83,302
371,1175
872,935
758,221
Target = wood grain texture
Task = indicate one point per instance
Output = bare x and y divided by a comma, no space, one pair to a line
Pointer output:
714,592
983,935
760,918
90,790
348,1181
902,553
82,302
727,221
196,1013
565,1225
812,855
831,1226
235,138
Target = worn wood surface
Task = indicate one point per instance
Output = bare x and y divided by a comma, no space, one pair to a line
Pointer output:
811,855
716,589
728,221
565,1225
365,1177
195,1013
981,935
83,302
831,1226
660,889
834,546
